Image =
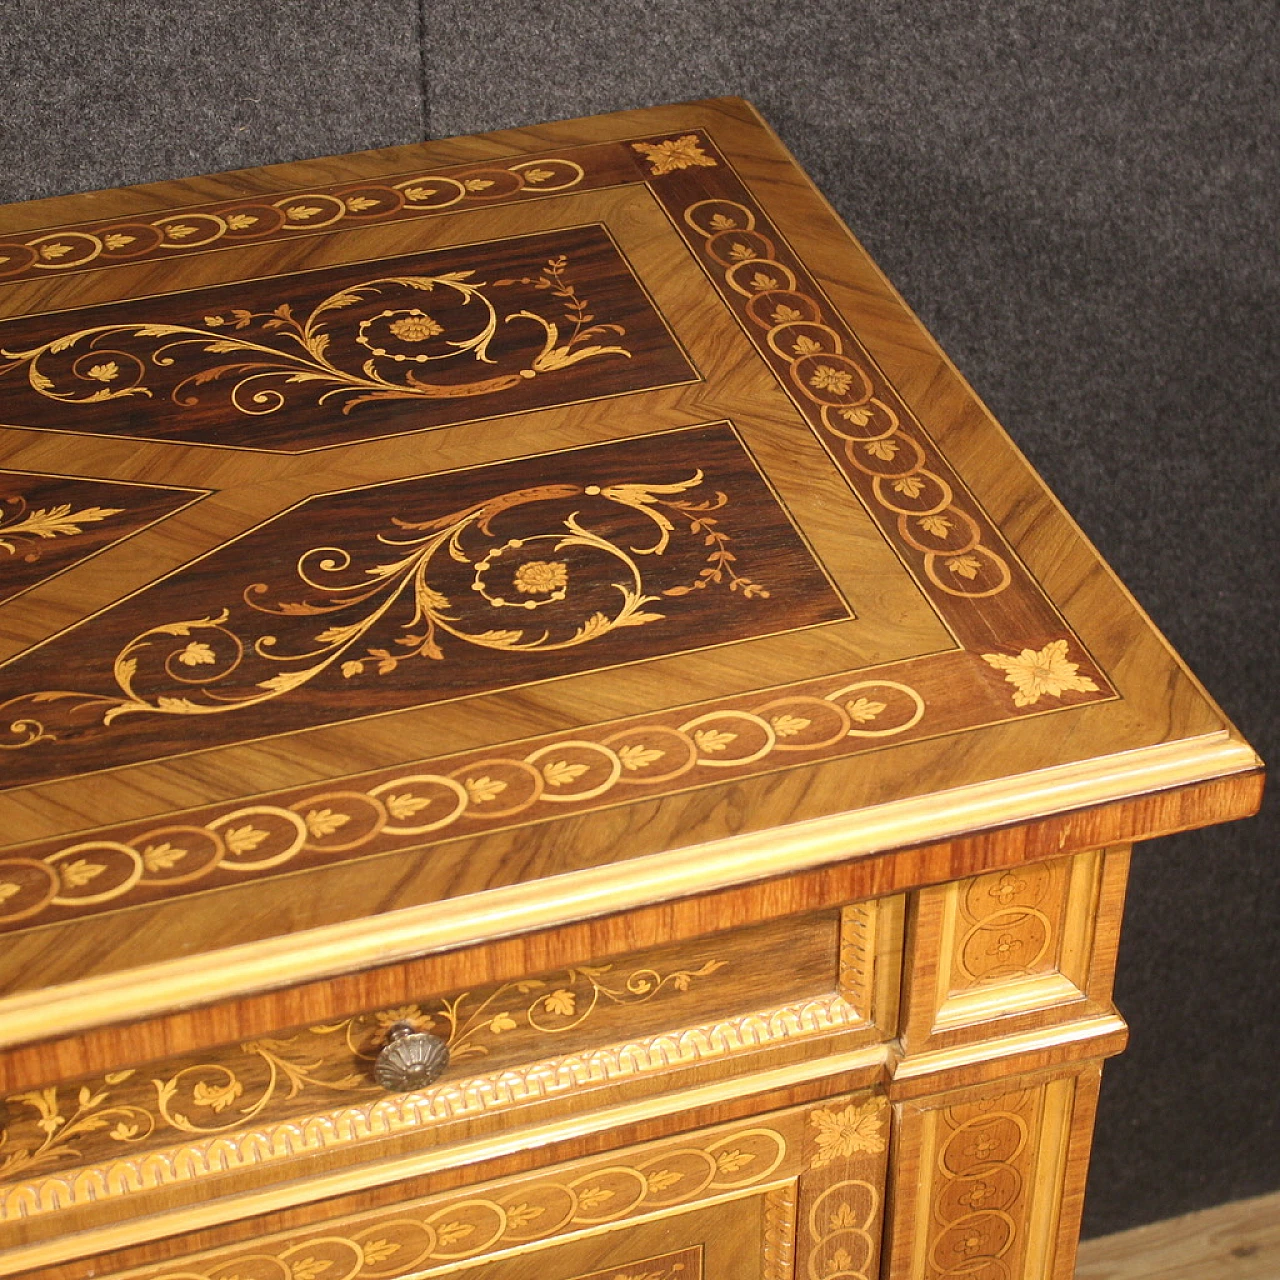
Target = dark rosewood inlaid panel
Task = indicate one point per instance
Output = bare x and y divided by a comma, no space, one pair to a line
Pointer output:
49,523
296,362
403,594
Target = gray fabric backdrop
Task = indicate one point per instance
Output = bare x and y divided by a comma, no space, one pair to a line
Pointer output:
1078,200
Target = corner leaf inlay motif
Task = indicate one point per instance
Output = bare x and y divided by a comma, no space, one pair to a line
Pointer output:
674,153
1041,673
844,1133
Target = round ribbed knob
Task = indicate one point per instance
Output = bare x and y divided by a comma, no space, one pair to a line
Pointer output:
410,1059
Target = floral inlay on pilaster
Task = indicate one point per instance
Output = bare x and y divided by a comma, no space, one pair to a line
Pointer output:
845,1132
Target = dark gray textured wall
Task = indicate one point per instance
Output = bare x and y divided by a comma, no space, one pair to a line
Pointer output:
1079,201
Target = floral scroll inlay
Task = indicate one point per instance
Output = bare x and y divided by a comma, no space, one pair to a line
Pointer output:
547,1006
1041,673
65,1125
50,1127
21,530
444,578
271,354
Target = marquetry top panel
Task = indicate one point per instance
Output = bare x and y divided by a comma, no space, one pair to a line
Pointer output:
379,530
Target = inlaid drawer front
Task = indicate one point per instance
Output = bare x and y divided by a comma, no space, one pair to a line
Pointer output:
1038,939
796,1193
645,1023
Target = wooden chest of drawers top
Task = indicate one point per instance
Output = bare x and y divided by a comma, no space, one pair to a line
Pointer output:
411,549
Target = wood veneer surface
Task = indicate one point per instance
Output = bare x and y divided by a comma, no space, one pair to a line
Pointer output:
564,497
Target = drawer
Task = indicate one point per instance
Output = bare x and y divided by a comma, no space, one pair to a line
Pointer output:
798,1191
796,999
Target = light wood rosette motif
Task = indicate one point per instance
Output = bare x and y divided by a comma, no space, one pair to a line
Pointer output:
814,1177
841,395
504,407
921,504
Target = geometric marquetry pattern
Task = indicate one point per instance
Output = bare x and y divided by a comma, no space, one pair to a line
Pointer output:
1009,942
255,219
983,1170
980,1180
431,800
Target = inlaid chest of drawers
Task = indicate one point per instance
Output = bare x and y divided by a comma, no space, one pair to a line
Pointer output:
544,732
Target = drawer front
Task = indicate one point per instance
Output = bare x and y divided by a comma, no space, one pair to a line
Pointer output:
793,1193
792,999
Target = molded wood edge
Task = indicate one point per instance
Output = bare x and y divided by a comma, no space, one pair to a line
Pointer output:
944,1069
605,890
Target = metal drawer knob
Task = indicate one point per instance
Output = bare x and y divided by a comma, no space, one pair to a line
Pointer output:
410,1059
